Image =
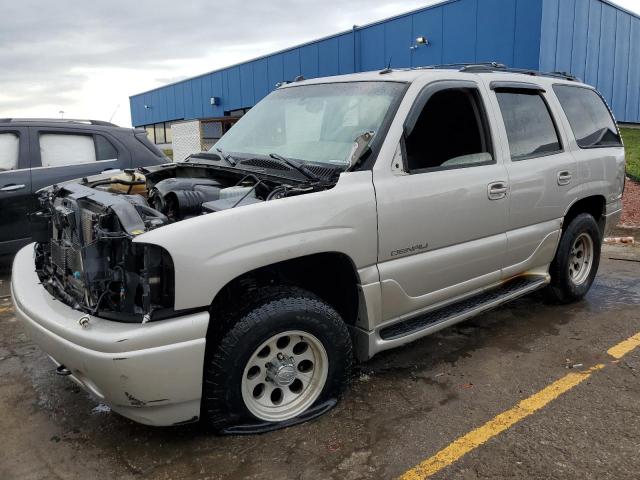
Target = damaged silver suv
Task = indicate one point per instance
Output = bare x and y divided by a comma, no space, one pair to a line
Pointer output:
340,217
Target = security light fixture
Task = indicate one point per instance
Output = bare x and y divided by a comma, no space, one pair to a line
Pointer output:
419,41
147,107
214,101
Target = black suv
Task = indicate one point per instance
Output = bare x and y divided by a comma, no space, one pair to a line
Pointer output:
35,153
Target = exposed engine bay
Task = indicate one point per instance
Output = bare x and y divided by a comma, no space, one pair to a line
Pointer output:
85,256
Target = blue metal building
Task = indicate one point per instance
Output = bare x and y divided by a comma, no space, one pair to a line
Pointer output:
593,39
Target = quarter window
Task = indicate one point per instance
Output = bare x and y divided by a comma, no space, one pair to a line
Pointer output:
450,132
530,128
66,149
9,150
104,149
589,117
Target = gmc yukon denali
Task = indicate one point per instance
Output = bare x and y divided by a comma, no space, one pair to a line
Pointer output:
339,218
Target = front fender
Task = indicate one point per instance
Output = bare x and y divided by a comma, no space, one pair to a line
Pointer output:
211,250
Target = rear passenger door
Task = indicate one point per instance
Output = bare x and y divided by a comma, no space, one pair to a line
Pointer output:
58,155
15,187
542,174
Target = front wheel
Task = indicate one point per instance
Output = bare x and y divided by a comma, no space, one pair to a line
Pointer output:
575,265
282,354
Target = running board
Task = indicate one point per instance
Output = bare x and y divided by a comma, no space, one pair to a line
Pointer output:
466,308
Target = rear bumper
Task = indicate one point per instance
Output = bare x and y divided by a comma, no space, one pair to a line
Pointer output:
149,373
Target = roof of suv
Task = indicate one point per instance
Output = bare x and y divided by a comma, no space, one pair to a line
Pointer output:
60,122
455,70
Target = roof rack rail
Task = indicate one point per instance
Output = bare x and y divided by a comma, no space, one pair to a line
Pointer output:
60,120
498,67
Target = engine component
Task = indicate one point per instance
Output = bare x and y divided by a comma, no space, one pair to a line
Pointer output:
227,203
130,182
235,192
179,198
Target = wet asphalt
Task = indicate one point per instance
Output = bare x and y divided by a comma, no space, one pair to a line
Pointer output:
403,406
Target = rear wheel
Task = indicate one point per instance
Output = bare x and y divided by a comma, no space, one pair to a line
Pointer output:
575,265
282,354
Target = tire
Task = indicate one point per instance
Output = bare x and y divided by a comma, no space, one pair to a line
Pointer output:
237,364
570,281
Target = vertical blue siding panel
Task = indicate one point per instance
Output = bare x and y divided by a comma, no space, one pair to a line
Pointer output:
291,61
549,35
496,31
276,70
328,57
607,52
246,85
428,24
580,31
156,106
179,100
564,45
198,94
621,69
261,86
527,34
171,102
593,42
346,54
397,40
459,28
632,113
309,60
207,93
372,54
217,91
233,82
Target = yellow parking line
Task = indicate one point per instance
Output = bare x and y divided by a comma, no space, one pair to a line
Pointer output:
497,425
621,349
472,440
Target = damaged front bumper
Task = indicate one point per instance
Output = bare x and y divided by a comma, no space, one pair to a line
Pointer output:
150,373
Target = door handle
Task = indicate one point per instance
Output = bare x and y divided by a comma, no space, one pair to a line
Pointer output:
12,188
497,190
564,177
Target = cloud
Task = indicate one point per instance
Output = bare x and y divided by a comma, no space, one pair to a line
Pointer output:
87,57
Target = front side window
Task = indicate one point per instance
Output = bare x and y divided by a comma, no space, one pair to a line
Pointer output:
9,151
589,117
58,149
451,132
317,123
530,128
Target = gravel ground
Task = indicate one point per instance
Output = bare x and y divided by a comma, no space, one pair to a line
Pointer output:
631,204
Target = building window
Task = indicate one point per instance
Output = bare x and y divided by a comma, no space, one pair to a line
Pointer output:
150,133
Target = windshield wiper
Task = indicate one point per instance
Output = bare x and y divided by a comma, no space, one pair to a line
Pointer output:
230,160
297,165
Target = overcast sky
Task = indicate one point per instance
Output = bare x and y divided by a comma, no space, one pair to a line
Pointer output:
87,57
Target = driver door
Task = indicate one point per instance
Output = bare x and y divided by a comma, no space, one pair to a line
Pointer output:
442,202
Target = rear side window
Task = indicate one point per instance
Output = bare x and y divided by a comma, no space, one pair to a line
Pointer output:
9,150
530,128
58,149
589,117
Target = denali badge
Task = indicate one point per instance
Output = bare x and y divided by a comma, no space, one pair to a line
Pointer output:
402,251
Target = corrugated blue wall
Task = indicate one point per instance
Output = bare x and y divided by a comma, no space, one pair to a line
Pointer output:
598,43
506,31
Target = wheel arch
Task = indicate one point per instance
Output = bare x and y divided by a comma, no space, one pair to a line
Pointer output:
594,205
332,276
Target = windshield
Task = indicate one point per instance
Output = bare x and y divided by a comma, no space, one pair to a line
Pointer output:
316,123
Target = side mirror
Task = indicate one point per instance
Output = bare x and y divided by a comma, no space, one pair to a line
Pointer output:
360,148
